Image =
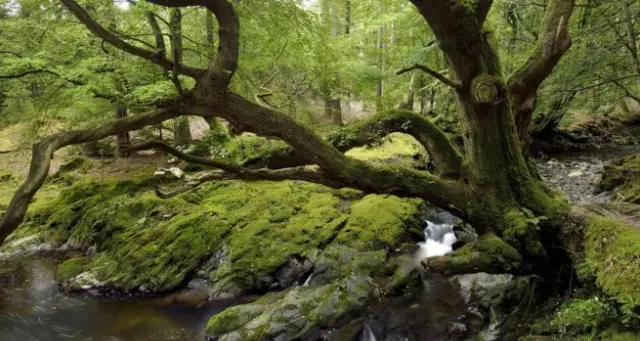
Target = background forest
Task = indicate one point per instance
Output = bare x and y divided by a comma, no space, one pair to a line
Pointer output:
323,62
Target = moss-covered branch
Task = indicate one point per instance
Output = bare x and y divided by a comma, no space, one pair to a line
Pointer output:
446,157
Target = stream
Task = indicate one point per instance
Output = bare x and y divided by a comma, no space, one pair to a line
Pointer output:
33,309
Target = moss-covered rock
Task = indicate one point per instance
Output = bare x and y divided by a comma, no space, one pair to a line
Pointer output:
611,254
623,178
295,312
243,237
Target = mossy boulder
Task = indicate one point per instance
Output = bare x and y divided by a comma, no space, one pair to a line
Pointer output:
611,258
243,237
299,310
623,178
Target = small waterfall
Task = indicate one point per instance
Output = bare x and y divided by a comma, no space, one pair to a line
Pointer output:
367,334
439,240
306,282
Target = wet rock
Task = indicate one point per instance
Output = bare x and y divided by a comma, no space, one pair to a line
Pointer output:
91,251
292,272
283,316
499,299
481,289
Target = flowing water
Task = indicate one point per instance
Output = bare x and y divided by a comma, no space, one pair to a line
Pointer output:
439,240
33,309
367,334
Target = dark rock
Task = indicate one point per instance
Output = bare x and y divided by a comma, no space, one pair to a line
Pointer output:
292,272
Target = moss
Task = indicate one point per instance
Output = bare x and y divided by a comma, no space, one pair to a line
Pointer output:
395,148
379,220
71,268
623,177
582,316
145,241
611,254
290,313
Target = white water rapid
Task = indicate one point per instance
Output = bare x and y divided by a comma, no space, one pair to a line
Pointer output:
306,282
367,334
439,240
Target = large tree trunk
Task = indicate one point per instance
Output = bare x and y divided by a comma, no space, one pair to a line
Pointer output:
504,189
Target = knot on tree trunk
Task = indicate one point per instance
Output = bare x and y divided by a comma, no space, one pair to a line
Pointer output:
487,89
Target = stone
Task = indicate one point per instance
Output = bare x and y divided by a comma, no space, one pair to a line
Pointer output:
575,174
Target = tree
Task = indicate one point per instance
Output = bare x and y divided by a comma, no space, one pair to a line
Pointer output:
491,184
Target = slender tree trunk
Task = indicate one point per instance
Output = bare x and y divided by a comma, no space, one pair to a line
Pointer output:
182,131
124,138
210,37
380,45
332,106
632,35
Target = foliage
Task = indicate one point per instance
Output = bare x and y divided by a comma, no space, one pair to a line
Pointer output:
581,316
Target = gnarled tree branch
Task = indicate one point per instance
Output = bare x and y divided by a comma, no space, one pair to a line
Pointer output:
225,63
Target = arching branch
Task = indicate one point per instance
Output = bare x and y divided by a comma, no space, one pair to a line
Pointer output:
446,157
452,195
435,74
108,36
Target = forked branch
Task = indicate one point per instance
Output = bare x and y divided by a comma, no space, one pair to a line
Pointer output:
553,42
